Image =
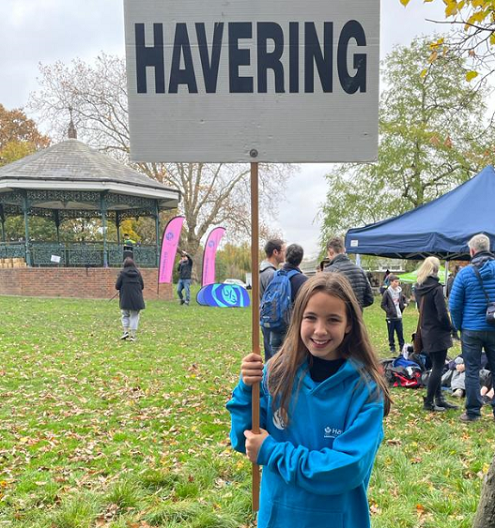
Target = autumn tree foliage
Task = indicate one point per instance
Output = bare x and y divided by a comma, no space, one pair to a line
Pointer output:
19,136
474,35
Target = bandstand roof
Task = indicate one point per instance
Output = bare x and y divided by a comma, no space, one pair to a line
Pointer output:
73,166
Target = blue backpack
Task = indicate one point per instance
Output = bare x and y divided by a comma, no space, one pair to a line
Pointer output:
276,303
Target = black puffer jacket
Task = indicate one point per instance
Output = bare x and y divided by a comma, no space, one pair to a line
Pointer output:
356,276
130,285
435,321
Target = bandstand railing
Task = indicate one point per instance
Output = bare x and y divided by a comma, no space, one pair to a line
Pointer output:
78,254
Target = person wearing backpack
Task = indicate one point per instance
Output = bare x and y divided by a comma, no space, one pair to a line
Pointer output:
282,292
468,307
275,255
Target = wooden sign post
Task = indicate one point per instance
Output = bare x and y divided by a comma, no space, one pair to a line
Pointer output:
255,314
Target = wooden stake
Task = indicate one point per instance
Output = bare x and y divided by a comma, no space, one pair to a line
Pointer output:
255,326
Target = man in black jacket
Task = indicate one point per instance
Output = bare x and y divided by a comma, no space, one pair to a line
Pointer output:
185,270
340,263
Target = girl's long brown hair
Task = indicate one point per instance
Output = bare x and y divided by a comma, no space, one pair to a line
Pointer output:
283,367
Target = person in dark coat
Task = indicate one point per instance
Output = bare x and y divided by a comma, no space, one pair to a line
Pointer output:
130,285
436,331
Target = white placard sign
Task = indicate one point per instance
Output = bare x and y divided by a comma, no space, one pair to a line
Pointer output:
253,80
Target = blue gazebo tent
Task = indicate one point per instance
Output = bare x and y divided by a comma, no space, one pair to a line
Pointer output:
441,227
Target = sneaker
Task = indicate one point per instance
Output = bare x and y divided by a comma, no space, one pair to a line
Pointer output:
458,393
465,417
132,338
125,335
182,301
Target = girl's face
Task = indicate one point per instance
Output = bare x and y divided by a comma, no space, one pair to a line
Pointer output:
324,325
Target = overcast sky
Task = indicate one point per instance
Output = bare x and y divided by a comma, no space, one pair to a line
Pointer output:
34,31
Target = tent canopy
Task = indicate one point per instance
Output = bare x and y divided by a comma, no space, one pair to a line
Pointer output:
441,227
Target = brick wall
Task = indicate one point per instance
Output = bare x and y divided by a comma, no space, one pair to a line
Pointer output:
83,283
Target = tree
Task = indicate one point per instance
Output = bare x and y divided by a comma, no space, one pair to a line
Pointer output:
475,35
485,515
431,139
19,136
233,261
212,194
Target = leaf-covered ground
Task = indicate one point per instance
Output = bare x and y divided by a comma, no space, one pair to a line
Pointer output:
95,432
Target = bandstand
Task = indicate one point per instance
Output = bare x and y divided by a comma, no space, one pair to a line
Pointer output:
70,180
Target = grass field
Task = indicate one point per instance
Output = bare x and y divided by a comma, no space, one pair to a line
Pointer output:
95,432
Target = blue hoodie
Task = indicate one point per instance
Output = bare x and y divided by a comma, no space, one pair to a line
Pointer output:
316,470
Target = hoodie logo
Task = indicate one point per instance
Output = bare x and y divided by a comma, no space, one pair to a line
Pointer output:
278,419
331,432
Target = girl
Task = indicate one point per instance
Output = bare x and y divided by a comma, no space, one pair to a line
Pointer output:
130,285
436,331
322,405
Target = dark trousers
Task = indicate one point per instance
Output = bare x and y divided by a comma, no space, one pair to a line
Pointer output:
276,341
266,343
473,341
395,326
437,363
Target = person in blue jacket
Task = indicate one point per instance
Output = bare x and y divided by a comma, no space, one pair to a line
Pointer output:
467,303
323,400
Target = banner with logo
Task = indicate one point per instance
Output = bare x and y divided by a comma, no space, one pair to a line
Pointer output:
210,254
223,296
170,241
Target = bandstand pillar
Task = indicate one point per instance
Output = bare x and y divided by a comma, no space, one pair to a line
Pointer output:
2,219
103,208
25,209
56,219
117,225
157,232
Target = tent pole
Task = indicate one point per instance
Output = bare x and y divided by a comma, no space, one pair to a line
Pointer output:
446,278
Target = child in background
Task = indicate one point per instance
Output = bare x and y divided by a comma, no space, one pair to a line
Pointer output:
322,405
394,302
